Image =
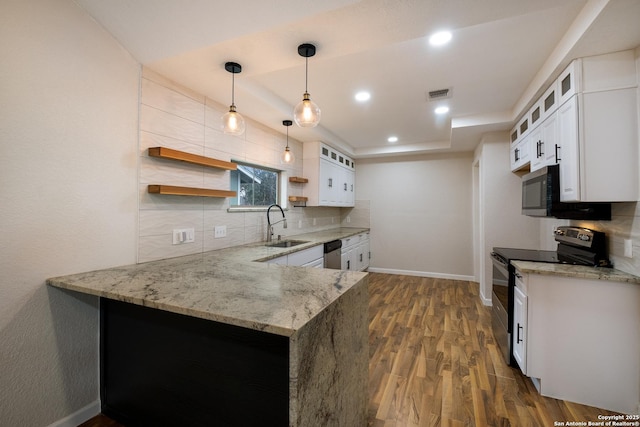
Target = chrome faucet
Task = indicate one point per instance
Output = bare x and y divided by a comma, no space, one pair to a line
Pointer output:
270,225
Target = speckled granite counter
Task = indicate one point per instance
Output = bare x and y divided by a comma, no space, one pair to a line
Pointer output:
321,314
227,285
575,271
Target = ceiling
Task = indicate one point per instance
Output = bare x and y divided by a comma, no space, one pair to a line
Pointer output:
503,53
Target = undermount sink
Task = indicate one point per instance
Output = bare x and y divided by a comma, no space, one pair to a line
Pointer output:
285,243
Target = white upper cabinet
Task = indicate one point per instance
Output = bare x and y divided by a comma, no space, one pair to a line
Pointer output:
598,129
587,123
331,176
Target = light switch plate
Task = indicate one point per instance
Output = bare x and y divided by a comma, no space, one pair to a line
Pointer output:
219,231
184,235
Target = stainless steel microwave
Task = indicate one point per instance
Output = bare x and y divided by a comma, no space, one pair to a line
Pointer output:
541,198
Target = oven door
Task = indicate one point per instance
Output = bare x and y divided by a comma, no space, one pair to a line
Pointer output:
500,322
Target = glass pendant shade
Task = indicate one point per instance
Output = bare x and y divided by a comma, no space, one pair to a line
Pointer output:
233,122
307,113
287,156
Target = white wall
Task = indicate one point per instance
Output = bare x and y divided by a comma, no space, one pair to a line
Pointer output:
420,209
501,223
68,138
176,117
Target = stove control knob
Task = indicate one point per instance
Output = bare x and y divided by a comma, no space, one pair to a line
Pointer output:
559,232
584,237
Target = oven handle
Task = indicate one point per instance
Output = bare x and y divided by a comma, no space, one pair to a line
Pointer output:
500,263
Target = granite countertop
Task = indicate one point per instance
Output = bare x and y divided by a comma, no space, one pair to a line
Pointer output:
228,285
575,271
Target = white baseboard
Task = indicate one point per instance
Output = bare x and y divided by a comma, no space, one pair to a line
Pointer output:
422,274
80,416
485,301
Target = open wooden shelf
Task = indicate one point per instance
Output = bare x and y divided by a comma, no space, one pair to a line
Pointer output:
189,191
298,199
168,153
298,179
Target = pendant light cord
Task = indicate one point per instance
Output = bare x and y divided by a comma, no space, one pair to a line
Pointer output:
306,74
233,89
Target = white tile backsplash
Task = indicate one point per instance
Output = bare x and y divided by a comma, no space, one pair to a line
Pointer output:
624,224
163,222
167,124
176,117
172,102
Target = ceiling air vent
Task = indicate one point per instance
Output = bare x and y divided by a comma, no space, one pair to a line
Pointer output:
435,95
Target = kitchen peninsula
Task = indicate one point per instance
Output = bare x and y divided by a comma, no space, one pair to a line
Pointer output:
218,337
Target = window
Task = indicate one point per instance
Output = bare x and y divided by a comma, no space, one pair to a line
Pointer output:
255,185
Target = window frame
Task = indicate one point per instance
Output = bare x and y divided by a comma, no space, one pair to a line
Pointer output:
281,189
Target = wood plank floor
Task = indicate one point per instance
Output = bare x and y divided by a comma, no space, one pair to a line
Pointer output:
434,362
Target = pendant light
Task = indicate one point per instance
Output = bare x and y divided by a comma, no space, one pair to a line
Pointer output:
307,113
287,156
232,122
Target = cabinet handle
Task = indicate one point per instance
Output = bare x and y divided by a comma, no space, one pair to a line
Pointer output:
516,153
557,158
348,264
352,188
537,149
518,339
345,186
330,182
360,257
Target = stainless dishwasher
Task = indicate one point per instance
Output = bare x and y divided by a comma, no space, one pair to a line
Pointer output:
332,254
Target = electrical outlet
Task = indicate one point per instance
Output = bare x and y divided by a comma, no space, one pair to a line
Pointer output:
628,248
348,219
314,221
184,235
299,223
219,231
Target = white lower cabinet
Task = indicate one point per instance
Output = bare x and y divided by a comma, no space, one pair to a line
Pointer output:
318,263
346,259
311,257
520,329
356,252
578,338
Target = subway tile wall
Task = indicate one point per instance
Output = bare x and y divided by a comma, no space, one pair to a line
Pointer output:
176,117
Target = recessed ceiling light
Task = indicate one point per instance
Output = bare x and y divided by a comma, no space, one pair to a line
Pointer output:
392,139
440,38
363,96
441,110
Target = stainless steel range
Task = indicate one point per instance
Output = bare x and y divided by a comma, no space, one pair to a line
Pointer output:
576,245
